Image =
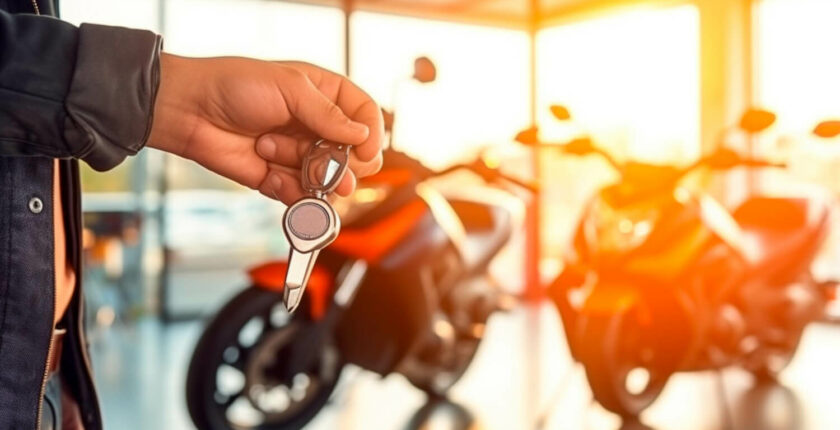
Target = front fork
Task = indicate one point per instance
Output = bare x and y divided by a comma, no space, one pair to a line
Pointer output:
322,331
571,277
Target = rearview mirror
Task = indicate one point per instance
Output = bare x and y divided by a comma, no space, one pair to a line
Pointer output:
579,146
756,120
388,119
723,158
529,136
424,70
560,112
827,129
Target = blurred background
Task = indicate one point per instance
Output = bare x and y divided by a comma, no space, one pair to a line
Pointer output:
660,82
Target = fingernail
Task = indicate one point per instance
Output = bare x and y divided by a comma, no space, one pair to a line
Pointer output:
266,147
276,185
357,126
276,181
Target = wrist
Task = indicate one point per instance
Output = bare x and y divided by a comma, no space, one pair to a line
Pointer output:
172,120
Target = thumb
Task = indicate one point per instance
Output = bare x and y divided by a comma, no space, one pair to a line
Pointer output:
323,117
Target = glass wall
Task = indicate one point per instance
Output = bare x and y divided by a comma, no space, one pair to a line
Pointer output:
797,71
631,82
480,95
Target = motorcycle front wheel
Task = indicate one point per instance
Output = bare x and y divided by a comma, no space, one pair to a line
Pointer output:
238,377
623,365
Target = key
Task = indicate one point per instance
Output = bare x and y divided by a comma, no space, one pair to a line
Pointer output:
311,223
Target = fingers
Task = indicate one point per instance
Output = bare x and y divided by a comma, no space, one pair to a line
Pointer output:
361,108
289,151
321,115
282,185
365,168
353,102
281,149
347,184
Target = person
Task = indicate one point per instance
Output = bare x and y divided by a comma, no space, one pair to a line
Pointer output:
99,94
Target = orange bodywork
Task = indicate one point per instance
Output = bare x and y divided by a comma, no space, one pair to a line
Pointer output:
393,177
371,243
272,276
610,298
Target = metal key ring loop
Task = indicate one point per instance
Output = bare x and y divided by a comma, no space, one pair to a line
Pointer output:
323,166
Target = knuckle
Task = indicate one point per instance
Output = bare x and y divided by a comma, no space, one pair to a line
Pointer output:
294,75
335,112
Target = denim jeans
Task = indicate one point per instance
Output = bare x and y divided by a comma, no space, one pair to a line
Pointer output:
51,410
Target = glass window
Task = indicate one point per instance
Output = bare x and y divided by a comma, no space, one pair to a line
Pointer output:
796,77
631,81
256,28
796,61
796,70
126,13
479,97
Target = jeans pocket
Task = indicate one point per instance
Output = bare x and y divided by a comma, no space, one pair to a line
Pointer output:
48,418
51,409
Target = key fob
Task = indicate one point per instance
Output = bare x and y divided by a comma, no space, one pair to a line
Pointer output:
311,223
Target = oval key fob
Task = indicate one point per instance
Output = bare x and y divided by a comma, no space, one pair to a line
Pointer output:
311,223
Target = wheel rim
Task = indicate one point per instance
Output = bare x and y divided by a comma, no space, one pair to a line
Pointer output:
249,387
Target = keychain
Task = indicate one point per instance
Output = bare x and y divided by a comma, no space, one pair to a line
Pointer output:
311,223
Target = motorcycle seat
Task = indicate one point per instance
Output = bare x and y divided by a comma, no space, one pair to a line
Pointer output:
487,221
775,229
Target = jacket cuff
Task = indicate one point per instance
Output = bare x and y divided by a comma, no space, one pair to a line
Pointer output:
112,94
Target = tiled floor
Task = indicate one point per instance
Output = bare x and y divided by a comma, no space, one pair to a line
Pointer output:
522,378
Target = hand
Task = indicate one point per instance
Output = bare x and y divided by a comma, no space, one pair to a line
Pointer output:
252,121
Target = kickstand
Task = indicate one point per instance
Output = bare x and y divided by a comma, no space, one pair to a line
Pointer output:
724,407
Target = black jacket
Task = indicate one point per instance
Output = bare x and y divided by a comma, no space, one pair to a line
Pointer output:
71,93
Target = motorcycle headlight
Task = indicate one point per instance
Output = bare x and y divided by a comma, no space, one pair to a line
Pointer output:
610,230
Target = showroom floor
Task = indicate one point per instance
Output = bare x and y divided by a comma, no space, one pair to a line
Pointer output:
522,379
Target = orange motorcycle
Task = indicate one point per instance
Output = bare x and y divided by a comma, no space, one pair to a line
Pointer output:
661,279
402,289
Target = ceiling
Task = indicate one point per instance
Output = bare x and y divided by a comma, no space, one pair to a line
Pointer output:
507,13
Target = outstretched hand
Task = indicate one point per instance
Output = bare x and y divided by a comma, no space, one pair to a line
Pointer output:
252,121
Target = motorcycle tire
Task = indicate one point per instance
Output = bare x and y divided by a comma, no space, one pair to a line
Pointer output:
609,352
776,352
222,348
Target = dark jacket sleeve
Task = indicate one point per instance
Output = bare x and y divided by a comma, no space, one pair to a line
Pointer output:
85,92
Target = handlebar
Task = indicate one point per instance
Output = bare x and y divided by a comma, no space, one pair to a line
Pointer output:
723,159
487,173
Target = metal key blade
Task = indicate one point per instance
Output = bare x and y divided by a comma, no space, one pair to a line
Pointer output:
297,276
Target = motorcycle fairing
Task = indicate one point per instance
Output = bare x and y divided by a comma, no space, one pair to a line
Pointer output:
607,298
272,276
371,243
782,235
